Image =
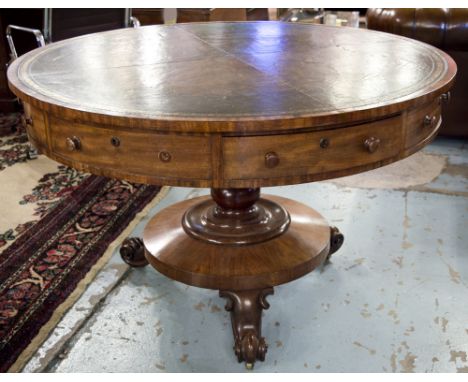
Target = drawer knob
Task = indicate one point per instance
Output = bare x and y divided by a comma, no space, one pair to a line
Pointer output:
446,97
73,143
115,141
324,143
372,144
430,121
164,156
271,159
26,121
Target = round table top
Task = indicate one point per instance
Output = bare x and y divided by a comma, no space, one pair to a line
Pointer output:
233,76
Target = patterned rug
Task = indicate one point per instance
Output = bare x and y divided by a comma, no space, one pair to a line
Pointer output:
57,228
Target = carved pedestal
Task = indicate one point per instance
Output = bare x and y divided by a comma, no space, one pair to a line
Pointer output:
240,244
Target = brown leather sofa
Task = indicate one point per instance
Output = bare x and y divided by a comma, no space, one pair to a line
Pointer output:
187,15
445,28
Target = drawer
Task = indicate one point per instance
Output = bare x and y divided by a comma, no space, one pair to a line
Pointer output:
35,126
131,152
301,154
421,122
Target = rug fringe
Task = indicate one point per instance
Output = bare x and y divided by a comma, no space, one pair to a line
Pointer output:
46,330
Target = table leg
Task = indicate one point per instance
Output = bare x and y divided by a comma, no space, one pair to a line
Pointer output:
336,241
246,308
132,252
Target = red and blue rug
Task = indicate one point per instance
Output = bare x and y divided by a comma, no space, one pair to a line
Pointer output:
55,226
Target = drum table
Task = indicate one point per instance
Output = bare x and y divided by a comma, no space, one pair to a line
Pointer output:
233,107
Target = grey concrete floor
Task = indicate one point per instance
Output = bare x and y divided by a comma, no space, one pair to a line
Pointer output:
392,300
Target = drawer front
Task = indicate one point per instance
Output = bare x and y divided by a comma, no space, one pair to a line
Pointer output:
35,126
421,122
157,155
276,156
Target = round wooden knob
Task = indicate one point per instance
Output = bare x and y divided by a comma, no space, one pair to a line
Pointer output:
271,159
324,143
26,121
164,156
372,144
430,121
446,97
73,143
115,141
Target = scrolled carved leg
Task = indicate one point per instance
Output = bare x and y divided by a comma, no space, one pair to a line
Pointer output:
336,241
246,317
132,252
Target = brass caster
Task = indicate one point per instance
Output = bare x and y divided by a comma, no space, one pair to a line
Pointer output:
31,153
249,366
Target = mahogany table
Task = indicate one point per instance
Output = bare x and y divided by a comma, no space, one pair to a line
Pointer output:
233,107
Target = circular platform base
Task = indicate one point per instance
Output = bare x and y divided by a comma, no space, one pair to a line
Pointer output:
296,252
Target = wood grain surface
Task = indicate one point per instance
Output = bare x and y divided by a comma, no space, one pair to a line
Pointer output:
229,105
243,75
304,246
